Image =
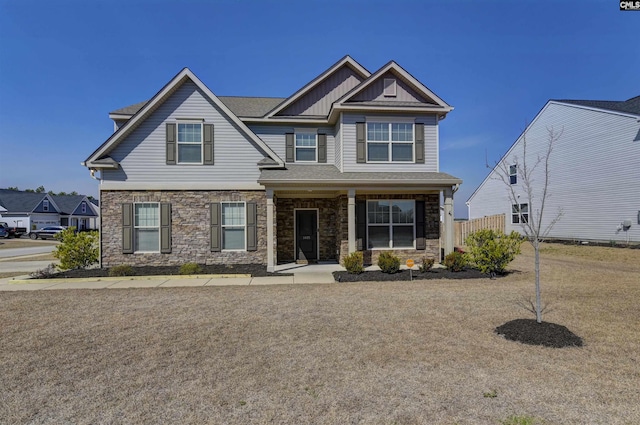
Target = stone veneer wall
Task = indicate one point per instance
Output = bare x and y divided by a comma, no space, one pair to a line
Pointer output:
190,228
432,229
285,226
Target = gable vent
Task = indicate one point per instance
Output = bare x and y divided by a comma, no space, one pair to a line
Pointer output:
390,87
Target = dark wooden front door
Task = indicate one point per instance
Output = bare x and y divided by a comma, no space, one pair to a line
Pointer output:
307,235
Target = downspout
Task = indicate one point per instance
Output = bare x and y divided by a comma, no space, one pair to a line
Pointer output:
92,171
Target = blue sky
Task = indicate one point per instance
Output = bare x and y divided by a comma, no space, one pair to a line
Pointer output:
65,64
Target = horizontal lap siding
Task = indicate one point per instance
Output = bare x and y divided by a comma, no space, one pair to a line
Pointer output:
349,147
142,154
274,137
595,178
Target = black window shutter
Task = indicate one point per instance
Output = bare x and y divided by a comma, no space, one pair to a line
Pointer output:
322,148
289,148
361,143
127,228
252,228
419,145
207,140
421,242
361,225
165,228
216,229
171,144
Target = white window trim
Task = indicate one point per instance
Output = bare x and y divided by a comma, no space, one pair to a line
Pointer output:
178,142
390,142
45,205
145,227
295,144
223,226
519,213
390,225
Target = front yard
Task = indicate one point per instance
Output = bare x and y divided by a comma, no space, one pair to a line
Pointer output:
421,352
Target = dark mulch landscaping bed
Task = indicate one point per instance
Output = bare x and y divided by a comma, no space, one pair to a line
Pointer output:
253,269
528,331
376,276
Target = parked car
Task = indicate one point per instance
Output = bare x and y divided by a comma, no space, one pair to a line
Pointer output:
13,231
48,232
3,232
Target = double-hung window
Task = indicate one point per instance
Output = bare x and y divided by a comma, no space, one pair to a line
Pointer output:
306,147
146,224
189,143
513,174
233,225
390,142
519,213
391,223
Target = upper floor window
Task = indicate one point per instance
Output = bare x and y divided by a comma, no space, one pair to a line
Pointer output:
189,143
45,205
233,225
519,213
306,147
513,174
146,224
391,223
390,142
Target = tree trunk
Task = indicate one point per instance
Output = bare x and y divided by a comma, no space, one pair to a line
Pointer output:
536,249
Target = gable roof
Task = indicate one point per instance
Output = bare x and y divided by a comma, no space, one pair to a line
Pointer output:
631,106
17,201
67,204
159,98
345,61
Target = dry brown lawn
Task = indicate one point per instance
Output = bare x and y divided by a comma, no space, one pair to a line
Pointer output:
369,353
25,242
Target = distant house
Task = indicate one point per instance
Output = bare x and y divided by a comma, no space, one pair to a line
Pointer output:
350,162
594,170
36,210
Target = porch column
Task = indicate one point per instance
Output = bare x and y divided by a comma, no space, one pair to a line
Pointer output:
351,220
271,264
448,221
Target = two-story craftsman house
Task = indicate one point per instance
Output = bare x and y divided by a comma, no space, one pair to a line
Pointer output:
348,162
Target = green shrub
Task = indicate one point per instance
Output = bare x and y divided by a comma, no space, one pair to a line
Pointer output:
190,268
76,250
427,264
490,251
123,270
388,263
455,262
354,262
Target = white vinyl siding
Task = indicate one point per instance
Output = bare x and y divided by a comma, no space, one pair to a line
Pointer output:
146,225
594,175
142,154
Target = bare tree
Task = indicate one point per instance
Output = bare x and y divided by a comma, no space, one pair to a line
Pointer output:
534,183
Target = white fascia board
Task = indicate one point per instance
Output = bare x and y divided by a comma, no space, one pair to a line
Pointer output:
113,185
120,116
336,109
168,88
320,78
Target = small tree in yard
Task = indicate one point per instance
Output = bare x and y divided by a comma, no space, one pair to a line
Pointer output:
76,250
536,194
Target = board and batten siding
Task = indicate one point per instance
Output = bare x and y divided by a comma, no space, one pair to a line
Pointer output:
274,137
375,92
594,175
349,160
142,155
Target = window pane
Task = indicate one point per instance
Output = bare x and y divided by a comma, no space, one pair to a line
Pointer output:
379,237
233,238
524,208
515,218
232,214
402,152
403,211
513,169
189,133
189,153
402,132
146,215
378,152
147,240
305,154
305,139
403,236
378,212
514,208
377,131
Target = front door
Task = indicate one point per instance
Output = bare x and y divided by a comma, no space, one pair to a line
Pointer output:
306,235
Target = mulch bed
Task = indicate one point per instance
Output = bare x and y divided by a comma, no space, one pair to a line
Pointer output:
403,275
528,331
254,269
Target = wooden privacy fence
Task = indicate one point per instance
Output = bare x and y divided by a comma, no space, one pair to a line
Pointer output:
464,228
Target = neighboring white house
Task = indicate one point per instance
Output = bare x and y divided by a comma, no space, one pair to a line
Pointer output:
594,172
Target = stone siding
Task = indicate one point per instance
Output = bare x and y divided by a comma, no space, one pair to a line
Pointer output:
190,228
